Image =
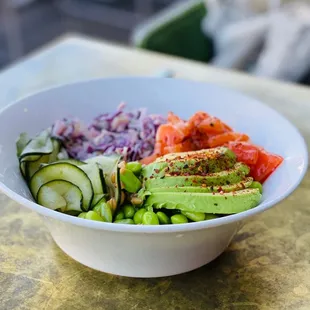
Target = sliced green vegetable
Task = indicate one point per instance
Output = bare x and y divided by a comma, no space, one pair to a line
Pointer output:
93,172
257,185
22,168
109,167
40,145
82,215
246,183
21,143
215,203
103,209
71,161
56,148
65,172
33,166
228,177
131,183
62,195
134,166
97,198
91,215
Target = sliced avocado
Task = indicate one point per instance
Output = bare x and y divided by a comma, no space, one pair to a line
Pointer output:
227,177
246,183
190,163
215,203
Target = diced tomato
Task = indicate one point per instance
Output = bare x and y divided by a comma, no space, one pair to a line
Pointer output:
185,146
174,119
200,140
203,131
213,125
201,144
159,148
265,165
169,135
178,123
197,118
228,128
226,137
245,152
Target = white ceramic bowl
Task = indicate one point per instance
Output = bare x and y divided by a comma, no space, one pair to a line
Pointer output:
148,251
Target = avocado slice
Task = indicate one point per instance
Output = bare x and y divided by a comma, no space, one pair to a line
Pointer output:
226,177
246,183
190,163
215,203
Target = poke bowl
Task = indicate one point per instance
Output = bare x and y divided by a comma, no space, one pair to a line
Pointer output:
154,187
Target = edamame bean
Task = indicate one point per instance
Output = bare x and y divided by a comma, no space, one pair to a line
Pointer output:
82,215
124,221
98,198
179,219
119,215
138,216
97,208
163,218
92,215
135,167
104,210
209,216
129,211
131,183
258,185
194,216
106,213
150,218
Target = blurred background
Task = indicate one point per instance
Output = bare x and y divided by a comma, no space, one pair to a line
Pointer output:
269,38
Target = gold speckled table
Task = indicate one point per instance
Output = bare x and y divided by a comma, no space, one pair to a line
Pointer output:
267,266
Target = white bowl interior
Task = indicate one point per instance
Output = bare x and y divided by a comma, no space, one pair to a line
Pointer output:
88,99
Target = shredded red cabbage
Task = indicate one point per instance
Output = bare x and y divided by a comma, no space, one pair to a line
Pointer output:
130,134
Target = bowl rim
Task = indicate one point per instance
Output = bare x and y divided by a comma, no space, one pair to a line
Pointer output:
176,228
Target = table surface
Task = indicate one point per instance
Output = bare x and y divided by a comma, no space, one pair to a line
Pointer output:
265,267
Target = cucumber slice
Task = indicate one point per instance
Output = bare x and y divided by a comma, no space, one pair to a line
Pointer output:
30,158
106,163
97,198
71,161
115,187
111,173
62,195
22,168
104,210
65,172
56,149
104,185
93,172
21,143
33,166
40,145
